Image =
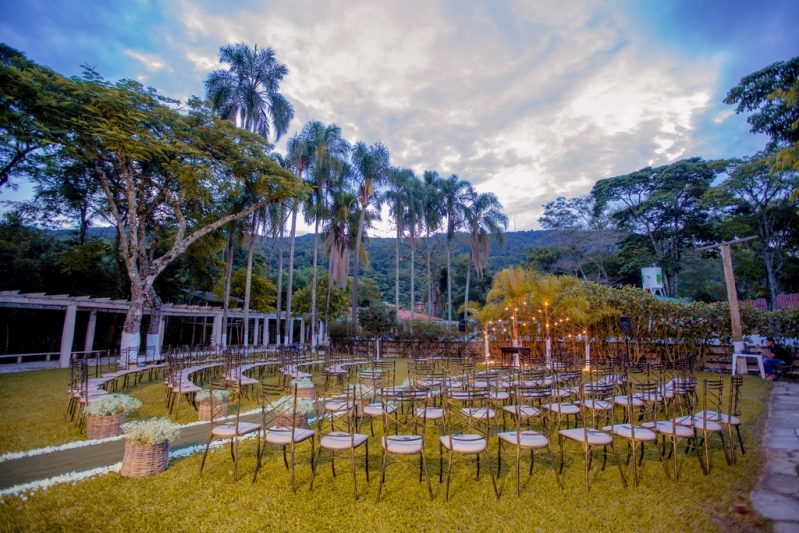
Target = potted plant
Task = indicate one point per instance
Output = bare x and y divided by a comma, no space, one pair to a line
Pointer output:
305,388
106,414
284,407
203,400
147,446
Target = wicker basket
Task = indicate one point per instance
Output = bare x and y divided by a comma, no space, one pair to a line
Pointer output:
306,393
141,460
285,421
204,410
102,427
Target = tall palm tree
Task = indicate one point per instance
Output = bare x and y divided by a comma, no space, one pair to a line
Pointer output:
247,93
299,156
284,162
371,164
397,198
414,211
452,191
484,219
329,152
431,219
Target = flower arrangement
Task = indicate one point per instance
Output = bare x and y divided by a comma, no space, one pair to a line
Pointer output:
112,404
220,395
302,383
152,431
285,405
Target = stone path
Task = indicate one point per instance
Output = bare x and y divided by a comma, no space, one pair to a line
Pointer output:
777,494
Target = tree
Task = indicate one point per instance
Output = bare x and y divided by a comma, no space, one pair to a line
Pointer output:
760,196
453,192
247,93
763,94
158,169
371,164
397,198
329,151
664,204
484,220
432,216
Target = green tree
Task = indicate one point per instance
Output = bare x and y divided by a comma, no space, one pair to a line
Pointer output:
371,164
397,198
432,217
453,204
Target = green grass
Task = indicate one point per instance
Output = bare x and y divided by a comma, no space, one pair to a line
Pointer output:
182,500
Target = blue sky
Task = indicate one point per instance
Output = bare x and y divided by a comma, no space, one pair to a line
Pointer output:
527,99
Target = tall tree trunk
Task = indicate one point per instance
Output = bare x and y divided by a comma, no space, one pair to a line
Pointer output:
248,284
278,329
289,287
429,279
413,276
228,275
313,285
449,286
771,279
356,265
154,331
396,275
466,293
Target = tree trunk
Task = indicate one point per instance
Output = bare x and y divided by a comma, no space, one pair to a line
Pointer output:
466,293
131,330
289,287
313,285
413,276
278,330
771,279
356,265
429,279
449,287
396,275
228,276
154,331
248,284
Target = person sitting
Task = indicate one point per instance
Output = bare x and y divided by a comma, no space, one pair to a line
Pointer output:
774,355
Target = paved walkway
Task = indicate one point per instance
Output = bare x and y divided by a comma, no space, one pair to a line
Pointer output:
777,494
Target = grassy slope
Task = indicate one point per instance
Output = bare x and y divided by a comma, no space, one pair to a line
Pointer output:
181,500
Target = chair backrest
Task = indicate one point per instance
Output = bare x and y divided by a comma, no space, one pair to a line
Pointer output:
455,422
535,396
404,410
734,406
271,409
712,394
340,421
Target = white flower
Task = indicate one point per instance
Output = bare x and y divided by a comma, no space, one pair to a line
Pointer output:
220,395
152,431
112,404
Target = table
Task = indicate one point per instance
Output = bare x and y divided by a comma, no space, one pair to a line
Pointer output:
745,356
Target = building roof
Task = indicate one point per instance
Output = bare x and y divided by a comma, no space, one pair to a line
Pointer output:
784,301
406,315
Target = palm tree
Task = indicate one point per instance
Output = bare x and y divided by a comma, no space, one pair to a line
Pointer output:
285,163
370,164
299,156
431,218
329,151
452,191
397,198
414,210
484,219
247,93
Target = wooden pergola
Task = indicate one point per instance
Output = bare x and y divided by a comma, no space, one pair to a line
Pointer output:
71,305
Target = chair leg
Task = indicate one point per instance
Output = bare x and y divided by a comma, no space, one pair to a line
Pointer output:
554,466
740,440
354,477
491,473
449,476
427,475
314,464
202,465
621,472
382,475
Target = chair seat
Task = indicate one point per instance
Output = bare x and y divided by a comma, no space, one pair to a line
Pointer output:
499,396
525,411
719,417
338,406
599,405
282,436
622,400
563,408
342,441
666,427
431,413
593,437
376,409
185,388
468,444
525,439
625,431
229,430
403,444
478,412
699,423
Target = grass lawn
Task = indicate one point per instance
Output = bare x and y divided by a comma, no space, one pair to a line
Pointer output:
182,500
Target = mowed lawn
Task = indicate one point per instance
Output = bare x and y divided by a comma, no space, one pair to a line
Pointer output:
181,499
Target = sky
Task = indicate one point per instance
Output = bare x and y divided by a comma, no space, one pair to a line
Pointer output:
530,100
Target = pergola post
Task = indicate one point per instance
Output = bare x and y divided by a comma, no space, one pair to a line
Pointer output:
255,332
302,330
88,343
265,333
216,330
67,336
